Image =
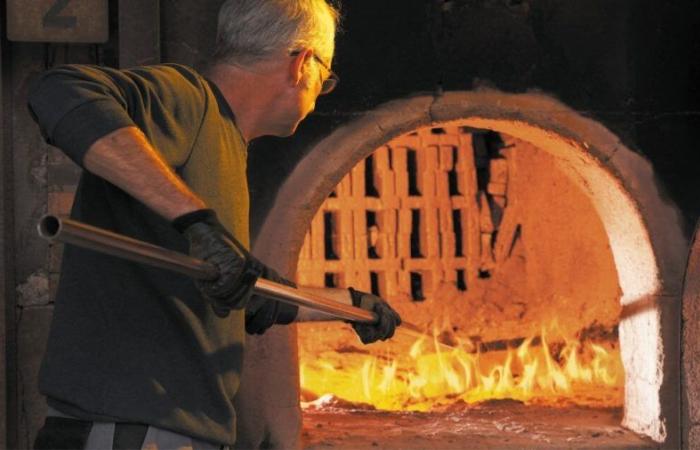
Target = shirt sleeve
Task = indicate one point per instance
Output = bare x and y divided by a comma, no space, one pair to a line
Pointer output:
75,105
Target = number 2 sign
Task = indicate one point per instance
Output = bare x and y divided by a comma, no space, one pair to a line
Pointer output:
82,21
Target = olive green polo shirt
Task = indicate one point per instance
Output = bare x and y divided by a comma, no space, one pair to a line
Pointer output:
130,342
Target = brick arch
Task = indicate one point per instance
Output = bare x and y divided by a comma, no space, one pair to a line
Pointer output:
644,230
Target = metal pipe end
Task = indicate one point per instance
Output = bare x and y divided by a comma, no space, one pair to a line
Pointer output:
49,226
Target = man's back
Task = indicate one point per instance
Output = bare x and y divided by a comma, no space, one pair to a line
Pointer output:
128,342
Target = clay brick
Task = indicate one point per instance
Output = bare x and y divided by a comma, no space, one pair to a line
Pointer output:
359,224
485,219
385,178
389,235
487,262
446,160
401,175
466,176
508,224
497,189
498,170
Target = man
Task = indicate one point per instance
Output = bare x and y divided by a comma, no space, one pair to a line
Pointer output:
139,357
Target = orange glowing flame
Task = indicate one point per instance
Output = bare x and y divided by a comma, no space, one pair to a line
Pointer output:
536,372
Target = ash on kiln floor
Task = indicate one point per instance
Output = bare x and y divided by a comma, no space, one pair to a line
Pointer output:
496,424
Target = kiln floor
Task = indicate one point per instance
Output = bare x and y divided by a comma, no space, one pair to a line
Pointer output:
495,425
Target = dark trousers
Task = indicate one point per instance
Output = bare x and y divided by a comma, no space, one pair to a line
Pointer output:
62,433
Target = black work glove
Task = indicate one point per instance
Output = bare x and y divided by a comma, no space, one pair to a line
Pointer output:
388,318
261,312
238,270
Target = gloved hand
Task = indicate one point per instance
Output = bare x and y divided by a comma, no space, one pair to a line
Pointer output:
388,318
261,313
238,270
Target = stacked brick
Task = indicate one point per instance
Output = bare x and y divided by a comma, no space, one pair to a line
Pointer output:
408,218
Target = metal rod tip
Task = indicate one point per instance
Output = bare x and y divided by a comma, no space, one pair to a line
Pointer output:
49,226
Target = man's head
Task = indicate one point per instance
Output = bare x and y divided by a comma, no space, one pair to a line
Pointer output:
287,47
250,31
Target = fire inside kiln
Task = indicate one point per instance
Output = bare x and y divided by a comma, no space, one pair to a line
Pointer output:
480,239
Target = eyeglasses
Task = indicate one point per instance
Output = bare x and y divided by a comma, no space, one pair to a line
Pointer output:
329,83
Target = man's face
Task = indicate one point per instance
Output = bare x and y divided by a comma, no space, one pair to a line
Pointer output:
315,79
317,75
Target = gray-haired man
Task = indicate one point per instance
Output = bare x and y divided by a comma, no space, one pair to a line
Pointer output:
138,357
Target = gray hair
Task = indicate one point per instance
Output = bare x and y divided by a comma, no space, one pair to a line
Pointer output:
252,30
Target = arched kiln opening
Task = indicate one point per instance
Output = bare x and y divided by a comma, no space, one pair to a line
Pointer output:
621,205
480,240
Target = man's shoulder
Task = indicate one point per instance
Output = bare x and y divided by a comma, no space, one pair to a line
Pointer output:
177,85
167,77
168,69
169,72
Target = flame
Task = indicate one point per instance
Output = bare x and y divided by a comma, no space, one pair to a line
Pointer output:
537,371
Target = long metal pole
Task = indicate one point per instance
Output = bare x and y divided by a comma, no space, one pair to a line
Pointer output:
61,229
54,228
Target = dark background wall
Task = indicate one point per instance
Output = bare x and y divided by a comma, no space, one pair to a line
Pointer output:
630,64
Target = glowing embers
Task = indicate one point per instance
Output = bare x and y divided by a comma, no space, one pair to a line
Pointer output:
546,369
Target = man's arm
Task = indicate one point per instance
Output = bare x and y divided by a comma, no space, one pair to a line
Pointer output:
96,116
86,112
126,159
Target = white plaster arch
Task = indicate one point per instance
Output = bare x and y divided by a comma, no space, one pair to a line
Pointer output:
643,227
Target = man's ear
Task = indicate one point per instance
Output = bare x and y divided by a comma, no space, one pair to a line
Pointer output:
296,67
